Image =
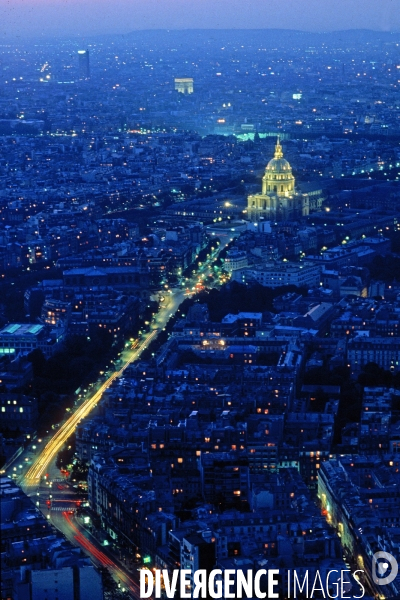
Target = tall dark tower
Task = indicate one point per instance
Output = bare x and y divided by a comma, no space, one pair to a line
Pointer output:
84,66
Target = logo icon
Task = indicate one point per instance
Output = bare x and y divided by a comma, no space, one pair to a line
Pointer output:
384,568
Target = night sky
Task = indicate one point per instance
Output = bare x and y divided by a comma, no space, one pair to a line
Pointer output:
24,18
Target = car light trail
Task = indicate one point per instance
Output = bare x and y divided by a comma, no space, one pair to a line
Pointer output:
55,444
102,558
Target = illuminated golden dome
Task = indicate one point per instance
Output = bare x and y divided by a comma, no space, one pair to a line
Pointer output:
278,164
278,178
278,200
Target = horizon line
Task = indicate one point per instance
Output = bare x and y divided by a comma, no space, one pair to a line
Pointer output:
10,35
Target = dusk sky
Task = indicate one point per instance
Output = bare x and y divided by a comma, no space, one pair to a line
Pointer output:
82,17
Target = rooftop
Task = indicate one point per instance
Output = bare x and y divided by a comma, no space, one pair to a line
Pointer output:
21,329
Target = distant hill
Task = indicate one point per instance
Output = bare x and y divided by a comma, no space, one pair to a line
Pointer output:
268,37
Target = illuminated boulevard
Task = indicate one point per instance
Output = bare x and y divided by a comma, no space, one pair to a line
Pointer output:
64,498
55,444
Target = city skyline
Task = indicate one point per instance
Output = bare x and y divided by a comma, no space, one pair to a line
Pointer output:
199,306
46,19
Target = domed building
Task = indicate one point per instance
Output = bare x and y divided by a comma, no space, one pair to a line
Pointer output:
278,200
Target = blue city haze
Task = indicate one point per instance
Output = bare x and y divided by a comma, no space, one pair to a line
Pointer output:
67,17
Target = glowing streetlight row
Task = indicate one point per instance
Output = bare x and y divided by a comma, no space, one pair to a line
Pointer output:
57,441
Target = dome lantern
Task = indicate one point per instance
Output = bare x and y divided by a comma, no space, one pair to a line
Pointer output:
278,149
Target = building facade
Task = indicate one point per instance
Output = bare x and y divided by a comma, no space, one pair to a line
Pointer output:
276,274
84,65
21,338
